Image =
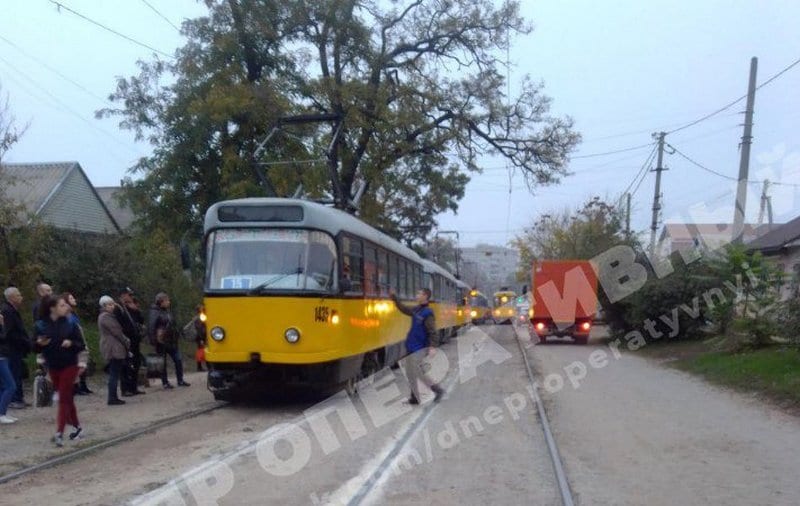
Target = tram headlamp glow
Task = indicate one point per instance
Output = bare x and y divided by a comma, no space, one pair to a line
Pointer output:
540,326
335,318
203,317
473,313
586,326
292,335
217,334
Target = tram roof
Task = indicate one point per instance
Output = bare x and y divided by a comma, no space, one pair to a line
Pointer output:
429,266
315,215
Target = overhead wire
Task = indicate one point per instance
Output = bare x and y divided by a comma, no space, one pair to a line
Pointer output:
731,104
78,85
60,6
720,174
161,15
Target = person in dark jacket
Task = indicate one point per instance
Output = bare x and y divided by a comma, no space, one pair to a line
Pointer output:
114,346
130,317
60,342
199,322
421,341
163,334
18,341
81,388
7,384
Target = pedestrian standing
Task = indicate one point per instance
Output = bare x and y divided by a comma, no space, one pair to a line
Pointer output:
199,322
60,342
7,384
81,388
19,343
42,290
421,341
114,346
130,318
163,334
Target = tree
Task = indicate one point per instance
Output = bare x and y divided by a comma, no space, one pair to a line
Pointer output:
10,211
572,234
417,87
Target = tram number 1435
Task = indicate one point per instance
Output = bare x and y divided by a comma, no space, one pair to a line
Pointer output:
322,313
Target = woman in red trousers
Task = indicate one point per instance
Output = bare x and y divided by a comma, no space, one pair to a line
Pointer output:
60,342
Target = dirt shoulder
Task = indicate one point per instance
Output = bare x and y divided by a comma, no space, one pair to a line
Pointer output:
27,442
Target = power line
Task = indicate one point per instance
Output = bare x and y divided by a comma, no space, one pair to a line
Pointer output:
724,176
161,15
605,153
644,167
55,71
104,27
731,104
64,107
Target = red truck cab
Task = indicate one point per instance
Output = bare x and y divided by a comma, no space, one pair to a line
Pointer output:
564,299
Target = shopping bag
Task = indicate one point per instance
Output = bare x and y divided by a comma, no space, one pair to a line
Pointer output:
200,355
42,391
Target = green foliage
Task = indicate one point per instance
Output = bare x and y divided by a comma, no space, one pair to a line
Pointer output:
787,319
577,234
92,265
418,87
682,293
773,370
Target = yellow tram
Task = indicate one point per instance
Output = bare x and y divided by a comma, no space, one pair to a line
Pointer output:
504,310
298,293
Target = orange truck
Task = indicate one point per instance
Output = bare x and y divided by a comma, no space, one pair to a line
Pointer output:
564,299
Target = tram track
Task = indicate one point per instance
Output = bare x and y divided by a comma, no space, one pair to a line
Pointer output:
552,447
108,443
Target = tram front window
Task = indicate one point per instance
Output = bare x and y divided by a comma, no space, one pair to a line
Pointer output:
271,260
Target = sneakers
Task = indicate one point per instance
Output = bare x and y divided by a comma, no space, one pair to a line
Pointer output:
18,405
116,402
5,419
76,434
168,386
58,439
439,393
183,384
413,400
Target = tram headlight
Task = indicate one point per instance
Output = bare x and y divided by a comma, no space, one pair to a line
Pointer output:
335,318
473,313
217,334
292,335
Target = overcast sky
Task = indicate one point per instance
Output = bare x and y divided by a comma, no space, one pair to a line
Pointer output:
621,69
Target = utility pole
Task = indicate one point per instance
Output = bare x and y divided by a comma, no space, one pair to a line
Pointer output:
657,195
766,205
744,161
627,214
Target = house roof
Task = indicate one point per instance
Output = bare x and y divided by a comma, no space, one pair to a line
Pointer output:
777,238
122,214
678,231
34,185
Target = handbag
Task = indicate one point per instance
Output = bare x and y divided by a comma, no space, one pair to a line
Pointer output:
155,365
42,391
200,355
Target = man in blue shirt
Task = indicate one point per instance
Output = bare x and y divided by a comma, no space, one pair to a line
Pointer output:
421,341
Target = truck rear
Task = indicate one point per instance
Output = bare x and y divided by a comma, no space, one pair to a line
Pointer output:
564,299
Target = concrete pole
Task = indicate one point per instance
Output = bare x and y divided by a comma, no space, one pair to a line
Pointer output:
657,195
744,161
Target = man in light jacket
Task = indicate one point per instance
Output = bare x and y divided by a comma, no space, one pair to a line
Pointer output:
114,346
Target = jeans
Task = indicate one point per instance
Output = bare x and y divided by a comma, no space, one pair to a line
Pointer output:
175,354
115,366
17,365
9,386
63,379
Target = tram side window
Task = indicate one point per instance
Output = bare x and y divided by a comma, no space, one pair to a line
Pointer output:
352,266
402,272
383,273
370,272
394,274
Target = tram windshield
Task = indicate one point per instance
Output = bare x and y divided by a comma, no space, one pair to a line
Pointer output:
264,260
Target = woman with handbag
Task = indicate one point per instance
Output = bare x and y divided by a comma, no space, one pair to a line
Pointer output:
195,331
60,342
163,334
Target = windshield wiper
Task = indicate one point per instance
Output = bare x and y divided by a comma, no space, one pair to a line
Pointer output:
258,289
